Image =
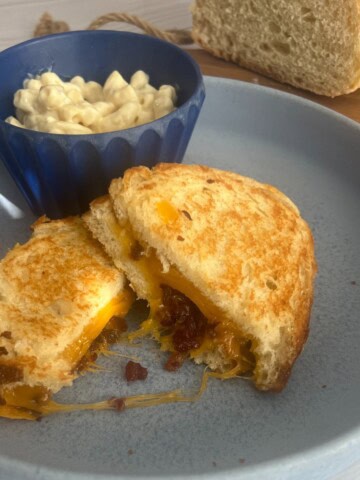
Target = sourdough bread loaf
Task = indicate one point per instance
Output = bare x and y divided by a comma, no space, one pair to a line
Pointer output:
311,44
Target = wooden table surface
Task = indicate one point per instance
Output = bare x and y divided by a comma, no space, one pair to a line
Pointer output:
348,105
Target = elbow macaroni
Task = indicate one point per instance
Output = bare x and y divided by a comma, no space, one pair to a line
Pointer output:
47,104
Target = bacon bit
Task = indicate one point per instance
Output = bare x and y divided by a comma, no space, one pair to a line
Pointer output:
214,464
183,316
3,351
180,238
6,334
134,371
188,337
210,180
117,404
241,460
174,362
187,214
114,329
130,451
166,317
323,386
89,358
353,282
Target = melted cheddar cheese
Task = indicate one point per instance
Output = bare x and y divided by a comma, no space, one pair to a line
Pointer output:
117,307
30,402
167,212
234,345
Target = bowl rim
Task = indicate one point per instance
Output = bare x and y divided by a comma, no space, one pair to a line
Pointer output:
199,81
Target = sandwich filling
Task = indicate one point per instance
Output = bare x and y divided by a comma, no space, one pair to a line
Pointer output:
182,319
226,264
184,330
32,402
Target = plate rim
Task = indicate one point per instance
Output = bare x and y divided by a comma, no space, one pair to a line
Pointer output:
292,97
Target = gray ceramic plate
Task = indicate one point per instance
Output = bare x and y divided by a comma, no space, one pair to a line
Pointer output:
312,429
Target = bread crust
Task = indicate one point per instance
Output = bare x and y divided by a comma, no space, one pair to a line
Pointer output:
242,244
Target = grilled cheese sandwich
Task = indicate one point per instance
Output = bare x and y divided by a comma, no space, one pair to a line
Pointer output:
226,263
59,292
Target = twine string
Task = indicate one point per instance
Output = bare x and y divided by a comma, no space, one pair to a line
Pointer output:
47,26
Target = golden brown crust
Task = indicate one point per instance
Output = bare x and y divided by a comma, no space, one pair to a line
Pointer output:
243,245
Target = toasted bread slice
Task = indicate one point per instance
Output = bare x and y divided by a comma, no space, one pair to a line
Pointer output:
226,263
58,292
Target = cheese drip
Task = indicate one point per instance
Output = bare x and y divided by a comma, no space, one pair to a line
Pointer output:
31,407
31,402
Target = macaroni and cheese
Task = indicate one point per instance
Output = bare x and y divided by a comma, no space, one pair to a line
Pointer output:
48,104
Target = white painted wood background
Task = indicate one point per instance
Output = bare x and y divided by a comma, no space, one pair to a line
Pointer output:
18,19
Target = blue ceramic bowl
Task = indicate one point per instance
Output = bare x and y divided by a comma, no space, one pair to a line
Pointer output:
60,174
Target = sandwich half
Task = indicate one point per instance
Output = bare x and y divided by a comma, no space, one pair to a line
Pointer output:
61,301
226,264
